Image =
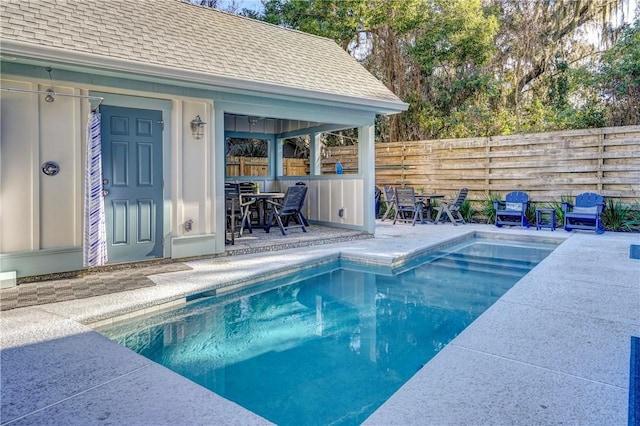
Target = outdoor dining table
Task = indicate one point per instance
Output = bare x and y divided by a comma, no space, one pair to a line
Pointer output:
261,202
426,199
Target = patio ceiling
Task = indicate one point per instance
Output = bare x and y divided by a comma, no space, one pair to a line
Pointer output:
267,125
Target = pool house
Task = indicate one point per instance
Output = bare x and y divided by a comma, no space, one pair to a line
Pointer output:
116,125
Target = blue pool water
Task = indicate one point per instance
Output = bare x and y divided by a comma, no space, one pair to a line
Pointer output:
330,345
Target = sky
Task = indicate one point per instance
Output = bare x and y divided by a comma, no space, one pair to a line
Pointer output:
243,4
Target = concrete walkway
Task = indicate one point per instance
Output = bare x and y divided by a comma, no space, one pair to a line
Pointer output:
554,349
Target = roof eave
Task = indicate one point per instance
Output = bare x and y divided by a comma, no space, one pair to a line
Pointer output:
192,78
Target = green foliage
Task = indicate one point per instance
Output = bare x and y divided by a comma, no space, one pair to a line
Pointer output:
530,213
335,19
632,221
487,210
483,67
615,215
453,46
247,147
619,77
467,211
383,209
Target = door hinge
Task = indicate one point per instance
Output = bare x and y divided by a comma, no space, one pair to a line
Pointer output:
161,123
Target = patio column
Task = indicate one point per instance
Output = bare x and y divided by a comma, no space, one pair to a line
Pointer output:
367,167
278,158
219,172
315,154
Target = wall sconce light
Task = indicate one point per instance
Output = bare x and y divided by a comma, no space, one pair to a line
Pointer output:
197,127
253,120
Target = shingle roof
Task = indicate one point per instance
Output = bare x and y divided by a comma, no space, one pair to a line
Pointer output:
180,35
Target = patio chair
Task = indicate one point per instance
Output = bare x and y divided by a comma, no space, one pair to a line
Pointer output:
585,213
376,199
407,207
290,207
513,210
389,196
248,206
233,210
451,209
304,219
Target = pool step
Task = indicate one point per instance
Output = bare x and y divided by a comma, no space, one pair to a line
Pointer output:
493,266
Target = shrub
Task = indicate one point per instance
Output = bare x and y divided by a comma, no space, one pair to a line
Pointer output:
614,215
487,210
632,221
467,211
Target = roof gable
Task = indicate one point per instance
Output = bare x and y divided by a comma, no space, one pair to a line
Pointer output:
182,36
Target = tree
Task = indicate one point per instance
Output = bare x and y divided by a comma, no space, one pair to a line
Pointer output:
483,67
619,78
537,35
453,47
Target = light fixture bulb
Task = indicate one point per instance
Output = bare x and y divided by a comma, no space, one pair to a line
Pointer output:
49,98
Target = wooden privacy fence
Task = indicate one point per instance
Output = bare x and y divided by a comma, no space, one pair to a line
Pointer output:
545,165
247,166
258,166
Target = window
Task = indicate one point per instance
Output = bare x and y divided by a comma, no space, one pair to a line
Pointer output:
247,157
295,152
340,152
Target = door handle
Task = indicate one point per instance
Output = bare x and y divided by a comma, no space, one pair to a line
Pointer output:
105,192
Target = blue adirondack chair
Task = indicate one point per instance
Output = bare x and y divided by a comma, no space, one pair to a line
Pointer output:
512,211
585,213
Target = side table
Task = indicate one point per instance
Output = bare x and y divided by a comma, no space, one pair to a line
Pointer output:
546,218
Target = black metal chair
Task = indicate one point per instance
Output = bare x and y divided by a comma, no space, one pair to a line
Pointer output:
290,207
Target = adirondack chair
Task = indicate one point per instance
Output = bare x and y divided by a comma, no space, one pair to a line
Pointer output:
389,195
513,210
451,209
585,213
290,207
407,207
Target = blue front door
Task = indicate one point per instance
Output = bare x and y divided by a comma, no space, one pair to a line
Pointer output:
132,181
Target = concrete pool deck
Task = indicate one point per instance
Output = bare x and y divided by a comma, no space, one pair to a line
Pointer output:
554,349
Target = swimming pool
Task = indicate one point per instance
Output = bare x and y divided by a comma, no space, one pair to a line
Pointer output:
332,344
